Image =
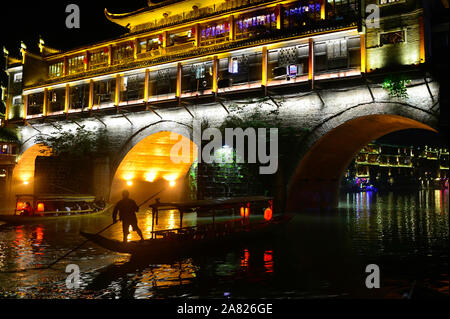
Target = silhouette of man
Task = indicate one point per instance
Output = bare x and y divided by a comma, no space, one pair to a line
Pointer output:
127,209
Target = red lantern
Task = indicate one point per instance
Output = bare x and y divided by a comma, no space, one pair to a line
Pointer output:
40,207
192,31
20,206
245,211
105,50
160,38
268,214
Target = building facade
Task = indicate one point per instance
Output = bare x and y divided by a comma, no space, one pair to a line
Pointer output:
385,166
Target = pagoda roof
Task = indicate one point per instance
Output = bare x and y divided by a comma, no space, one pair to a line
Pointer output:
156,11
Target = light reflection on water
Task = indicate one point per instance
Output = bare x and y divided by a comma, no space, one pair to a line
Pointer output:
318,255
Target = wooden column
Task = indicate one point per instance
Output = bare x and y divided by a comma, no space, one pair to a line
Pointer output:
67,99
86,65
264,77
146,85
91,94
135,48
363,53
232,34
323,6
109,55
25,106
215,86
311,60
278,11
197,35
178,91
65,66
422,40
117,97
45,106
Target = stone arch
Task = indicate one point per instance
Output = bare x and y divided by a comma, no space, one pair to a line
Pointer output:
144,165
332,145
23,179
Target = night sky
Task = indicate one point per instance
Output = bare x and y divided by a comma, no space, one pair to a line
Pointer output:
26,20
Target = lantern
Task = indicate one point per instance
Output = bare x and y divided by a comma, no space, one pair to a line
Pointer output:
20,206
245,211
268,214
40,207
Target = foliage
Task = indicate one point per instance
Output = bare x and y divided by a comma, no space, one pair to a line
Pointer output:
396,86
244,178
8,135
79,143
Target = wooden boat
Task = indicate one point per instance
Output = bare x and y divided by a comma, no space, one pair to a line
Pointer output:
53,207
172,244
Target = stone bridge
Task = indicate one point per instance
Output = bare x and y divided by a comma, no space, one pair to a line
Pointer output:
340,120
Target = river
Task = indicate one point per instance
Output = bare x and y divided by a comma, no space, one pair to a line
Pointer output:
320,255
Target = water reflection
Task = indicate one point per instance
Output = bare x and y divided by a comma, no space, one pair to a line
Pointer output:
317,256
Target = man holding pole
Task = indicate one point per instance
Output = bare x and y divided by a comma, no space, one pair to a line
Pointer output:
127,209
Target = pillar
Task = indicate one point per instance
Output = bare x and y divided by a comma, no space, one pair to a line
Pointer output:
422,40
44,108
232,33
311,60
215,86
179,69
91,94
25,106
363,53
67,99
117,95
146,85
264,76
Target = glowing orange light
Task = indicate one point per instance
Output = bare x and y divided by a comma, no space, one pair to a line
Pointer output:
25,182
20,205
245,211
268,214
150,177
129,183
172,183
40,208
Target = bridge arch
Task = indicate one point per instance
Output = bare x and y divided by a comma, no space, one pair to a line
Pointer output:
23,175
144,165
331,147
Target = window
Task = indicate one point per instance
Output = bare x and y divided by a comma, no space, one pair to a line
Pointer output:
123,52
98,59
56,69
76,64
392,37
233,66
18,77
17,100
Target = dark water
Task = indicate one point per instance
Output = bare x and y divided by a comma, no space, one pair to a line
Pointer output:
316,256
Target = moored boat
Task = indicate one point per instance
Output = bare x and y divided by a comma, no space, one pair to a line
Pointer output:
32,208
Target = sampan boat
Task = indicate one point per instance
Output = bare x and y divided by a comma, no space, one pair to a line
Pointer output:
170,245
53,207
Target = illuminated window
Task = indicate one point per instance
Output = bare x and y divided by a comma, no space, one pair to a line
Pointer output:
56,69
76,64
98,59
18,77
392,37
200,71
233,66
